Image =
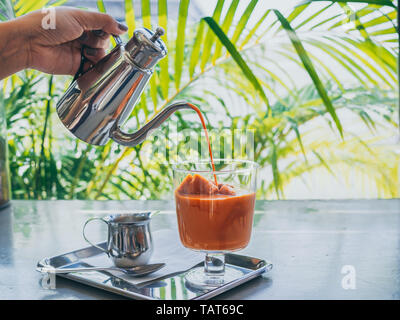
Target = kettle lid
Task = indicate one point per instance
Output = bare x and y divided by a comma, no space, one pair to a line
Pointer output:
145,48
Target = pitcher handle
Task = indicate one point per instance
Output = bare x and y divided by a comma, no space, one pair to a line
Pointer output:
87,240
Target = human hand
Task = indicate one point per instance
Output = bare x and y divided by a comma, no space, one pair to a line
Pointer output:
58,51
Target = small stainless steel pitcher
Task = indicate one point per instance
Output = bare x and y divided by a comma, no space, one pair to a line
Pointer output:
129,241
100,99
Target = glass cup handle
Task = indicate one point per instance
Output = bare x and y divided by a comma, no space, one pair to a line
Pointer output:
87,240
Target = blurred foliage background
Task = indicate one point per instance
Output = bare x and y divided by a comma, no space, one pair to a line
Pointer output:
318,84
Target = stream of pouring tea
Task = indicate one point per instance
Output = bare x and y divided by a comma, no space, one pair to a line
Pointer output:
203,123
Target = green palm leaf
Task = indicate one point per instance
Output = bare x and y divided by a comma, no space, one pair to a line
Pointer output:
146,13
238,58
6,10
210,37
308,65
101,6
130,17
195,56
225,27
164,63
244,19
377,2
180,41
255,29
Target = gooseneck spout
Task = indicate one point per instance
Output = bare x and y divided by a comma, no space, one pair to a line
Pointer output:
133,139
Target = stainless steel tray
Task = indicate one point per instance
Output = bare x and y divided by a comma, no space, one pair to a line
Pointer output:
170,287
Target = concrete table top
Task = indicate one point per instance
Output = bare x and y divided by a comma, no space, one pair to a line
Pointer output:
320,249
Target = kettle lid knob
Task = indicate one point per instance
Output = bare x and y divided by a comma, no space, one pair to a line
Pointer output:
159,32
145,48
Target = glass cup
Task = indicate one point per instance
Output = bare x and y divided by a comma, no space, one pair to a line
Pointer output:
215,218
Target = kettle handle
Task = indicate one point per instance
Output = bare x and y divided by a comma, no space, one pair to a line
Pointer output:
133,139
80,71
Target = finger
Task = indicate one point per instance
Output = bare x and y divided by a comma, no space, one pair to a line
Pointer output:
94,54
90,39
99,21
75,62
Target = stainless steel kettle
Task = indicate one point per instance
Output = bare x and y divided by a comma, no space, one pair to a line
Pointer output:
99,100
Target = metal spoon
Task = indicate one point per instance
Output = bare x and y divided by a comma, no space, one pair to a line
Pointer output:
133,272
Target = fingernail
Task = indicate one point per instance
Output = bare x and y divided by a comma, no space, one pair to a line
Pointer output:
122,27
91,51
99,33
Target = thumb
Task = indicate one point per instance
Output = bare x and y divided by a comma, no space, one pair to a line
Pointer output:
99,21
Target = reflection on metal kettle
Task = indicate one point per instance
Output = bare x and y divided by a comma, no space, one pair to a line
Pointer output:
99,100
